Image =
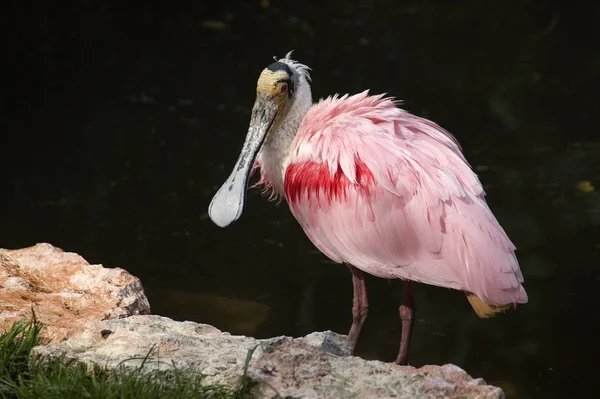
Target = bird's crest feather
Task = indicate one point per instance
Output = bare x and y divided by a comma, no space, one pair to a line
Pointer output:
301,68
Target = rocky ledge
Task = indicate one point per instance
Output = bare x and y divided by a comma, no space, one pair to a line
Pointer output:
64,291
318,365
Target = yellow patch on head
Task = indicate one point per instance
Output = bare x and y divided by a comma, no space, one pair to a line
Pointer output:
269,82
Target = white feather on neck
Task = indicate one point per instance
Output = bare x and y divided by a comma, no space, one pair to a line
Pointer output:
274,156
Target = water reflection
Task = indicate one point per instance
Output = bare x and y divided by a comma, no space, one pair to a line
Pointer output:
120,123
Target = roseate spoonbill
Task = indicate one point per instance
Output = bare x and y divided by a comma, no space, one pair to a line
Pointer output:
377,188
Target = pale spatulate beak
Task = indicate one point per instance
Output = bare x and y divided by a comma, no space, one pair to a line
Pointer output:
228,203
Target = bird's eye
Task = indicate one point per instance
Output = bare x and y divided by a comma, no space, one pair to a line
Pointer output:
284,88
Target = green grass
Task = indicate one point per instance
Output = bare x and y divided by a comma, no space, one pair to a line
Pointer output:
20,377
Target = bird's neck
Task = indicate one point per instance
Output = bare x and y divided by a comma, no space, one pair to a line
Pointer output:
274,157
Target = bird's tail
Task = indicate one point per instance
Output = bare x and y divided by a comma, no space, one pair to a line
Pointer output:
482,309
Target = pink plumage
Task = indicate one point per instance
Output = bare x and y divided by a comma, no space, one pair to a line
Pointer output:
377,188
391,194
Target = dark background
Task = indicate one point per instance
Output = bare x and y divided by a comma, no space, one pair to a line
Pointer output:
120,119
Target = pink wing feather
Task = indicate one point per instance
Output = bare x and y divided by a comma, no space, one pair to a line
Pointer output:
392,194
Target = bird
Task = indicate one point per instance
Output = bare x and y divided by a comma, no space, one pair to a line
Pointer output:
376,188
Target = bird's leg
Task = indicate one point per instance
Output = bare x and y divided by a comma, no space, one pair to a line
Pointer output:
406,315
360,305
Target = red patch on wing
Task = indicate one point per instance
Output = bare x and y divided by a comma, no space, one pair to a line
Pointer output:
314,178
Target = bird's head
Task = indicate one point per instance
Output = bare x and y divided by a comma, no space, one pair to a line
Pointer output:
282,98
278,88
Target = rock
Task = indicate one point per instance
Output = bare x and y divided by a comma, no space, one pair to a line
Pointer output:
190,346
315,366
100,316
297,370
66,293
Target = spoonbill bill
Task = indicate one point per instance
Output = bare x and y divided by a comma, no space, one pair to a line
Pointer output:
376,188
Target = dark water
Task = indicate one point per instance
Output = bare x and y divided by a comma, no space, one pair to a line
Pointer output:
120,119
